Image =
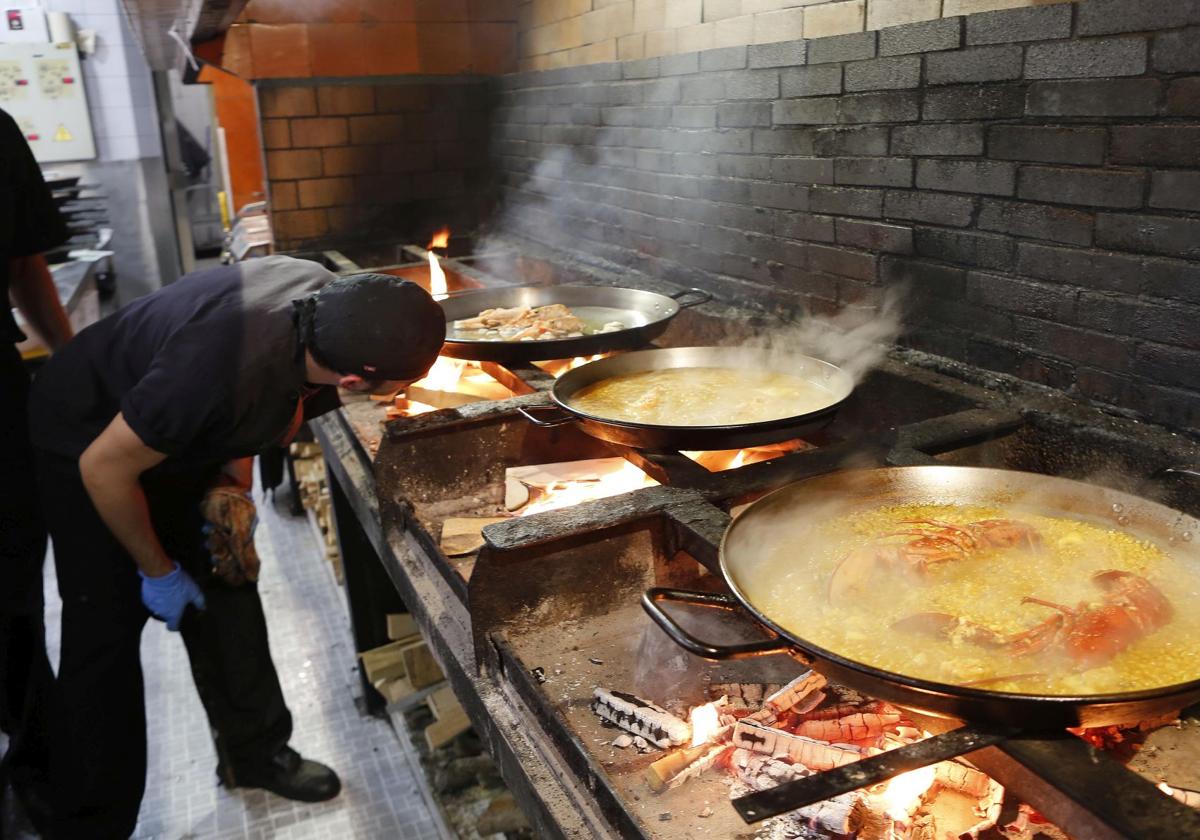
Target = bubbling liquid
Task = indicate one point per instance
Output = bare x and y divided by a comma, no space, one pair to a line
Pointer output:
790,585
701,396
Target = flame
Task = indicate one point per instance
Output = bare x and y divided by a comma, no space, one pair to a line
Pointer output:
437,277
563,494
902,793
440,239
444,375
409,408
557,367
717,460
705,723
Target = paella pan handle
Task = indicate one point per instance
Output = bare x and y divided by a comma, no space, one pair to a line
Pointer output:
561,420
700,295
1176,472
708,650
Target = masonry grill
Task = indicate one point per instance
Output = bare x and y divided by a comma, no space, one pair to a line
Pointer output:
548,609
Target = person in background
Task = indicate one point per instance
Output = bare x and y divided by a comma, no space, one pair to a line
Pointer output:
29,225
143,428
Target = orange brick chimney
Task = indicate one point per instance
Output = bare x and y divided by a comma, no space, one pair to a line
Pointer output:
372,113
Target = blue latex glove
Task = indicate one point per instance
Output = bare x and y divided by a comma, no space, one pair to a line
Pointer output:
168,596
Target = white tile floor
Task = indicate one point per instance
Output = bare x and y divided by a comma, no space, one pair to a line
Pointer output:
314,653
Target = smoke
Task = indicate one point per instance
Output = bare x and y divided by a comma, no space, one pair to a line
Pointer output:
855,339
557,200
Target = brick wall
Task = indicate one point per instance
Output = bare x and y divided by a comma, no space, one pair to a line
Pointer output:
566,33
388,160
290,39
1032,176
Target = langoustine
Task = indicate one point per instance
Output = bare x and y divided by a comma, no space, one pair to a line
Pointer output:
1090,634
934,542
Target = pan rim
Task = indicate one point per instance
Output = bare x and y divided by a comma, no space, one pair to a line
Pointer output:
764,425
933,687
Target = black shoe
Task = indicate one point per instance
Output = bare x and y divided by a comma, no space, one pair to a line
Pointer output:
289,776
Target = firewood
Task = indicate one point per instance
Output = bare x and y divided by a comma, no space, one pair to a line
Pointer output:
960,777
795,691
1190,798
447,728
401,627
501,817
420,666
463,772
660,773
464,535
641,717
815,755
383,663
395,690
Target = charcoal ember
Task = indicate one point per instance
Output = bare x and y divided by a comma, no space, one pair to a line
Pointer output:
641,718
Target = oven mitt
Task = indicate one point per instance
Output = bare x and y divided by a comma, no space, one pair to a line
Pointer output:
230,520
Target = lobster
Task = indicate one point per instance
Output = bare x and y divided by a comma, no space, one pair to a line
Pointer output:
936,542
1090,634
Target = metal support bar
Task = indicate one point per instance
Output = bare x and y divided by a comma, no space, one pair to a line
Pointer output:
1073,784
870,771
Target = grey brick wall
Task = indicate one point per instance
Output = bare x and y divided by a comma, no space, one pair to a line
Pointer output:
1032,177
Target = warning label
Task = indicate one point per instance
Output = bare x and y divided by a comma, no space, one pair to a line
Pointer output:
62,135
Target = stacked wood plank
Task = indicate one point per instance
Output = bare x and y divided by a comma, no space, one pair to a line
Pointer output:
405,671
309,465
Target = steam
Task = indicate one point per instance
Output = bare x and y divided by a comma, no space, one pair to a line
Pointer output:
854,339
547,210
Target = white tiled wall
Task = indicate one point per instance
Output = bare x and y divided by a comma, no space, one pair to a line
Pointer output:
120,93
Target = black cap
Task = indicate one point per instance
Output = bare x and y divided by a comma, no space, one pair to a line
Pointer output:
374,325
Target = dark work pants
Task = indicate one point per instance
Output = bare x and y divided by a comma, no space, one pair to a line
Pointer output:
98,742
25,675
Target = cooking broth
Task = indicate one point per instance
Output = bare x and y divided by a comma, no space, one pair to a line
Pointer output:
701,396
986,588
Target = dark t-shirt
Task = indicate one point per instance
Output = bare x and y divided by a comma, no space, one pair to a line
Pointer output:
29,221
205,370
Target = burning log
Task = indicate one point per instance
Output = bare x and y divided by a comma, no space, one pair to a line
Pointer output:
1191,798
1029,824
795,692
987,809
679,766
742,696
815,755
803,693
764,771
641,717
961,778
855,727
840,815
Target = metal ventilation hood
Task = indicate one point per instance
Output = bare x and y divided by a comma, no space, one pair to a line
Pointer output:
193,20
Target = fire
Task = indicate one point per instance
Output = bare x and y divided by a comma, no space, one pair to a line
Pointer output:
705,723
561,494
440,239
718,460
903,793
437,277
557,367
408,408
445,374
